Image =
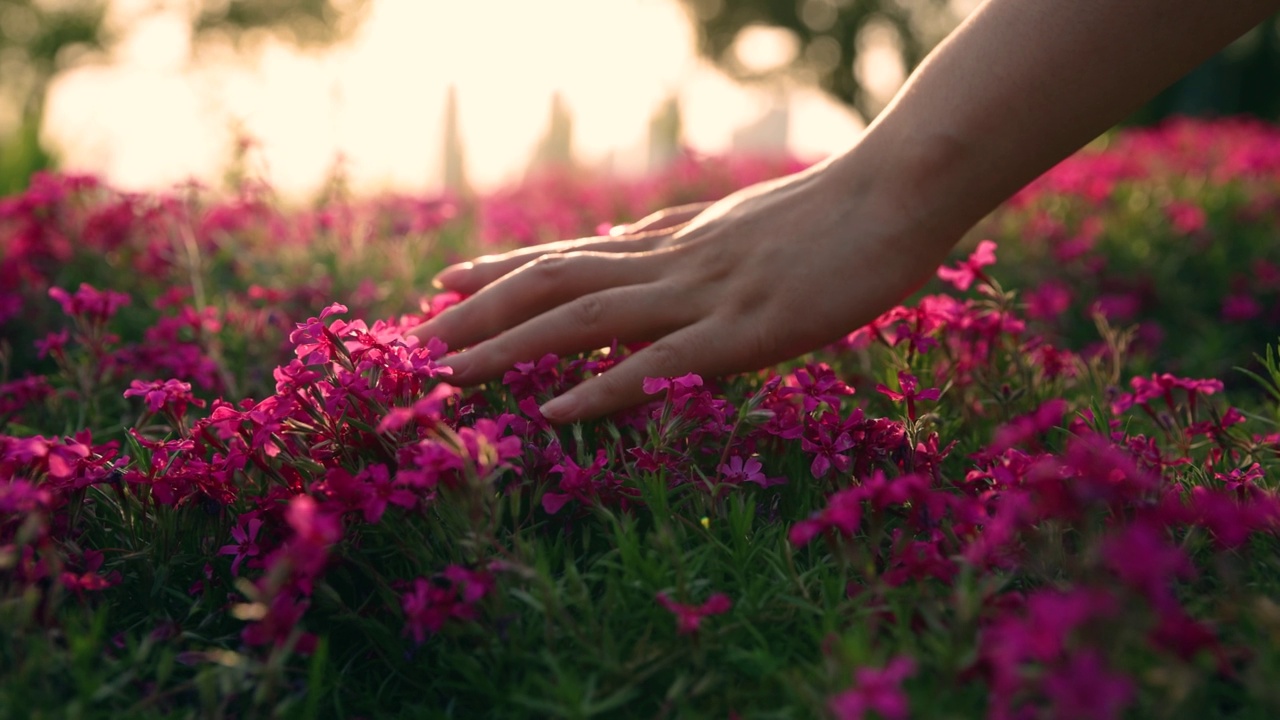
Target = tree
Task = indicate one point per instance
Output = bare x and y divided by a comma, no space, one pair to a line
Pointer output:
830,34
39,39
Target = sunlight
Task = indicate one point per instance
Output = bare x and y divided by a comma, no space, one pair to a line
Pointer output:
152,118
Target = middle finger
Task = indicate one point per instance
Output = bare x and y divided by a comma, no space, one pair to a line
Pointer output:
536,287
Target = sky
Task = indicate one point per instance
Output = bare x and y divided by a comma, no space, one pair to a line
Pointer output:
155,115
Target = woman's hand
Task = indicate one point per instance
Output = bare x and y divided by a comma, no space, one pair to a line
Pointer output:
784,267
768,273
646,233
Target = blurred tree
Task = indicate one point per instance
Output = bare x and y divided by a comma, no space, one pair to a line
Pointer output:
832,42
40,39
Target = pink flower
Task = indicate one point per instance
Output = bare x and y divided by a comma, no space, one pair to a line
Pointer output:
245,534
294,377
828,442
1048,301
818,385
679,385
577,483
689,617
1240,307
20,497
970,269
94,305
315,531
60,459
843,514
530,378
427,410
453,594
878,690
24,393
908,383
313,342
283,616
1083,687
10,306
1142,556
737,471
1185,217
53,345
172,396
369,491
1026,428
1162,385
490,445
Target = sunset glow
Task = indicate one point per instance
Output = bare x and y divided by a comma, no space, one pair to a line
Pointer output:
156,116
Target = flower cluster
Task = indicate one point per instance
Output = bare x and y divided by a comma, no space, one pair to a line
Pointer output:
971,505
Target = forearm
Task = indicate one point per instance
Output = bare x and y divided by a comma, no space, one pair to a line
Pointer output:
1021,85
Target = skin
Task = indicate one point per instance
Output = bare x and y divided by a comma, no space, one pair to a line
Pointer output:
787,266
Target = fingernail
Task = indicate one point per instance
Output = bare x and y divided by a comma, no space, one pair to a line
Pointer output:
559,409
450,273
459,363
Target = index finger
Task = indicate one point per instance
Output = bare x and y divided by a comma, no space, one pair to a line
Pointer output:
697,348
470,277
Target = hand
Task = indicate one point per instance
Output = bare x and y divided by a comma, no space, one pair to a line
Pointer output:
469,277
766,274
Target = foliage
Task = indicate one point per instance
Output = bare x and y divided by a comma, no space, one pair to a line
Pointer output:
41,39
830,34
224,495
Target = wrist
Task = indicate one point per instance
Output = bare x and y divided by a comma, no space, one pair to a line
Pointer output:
916,185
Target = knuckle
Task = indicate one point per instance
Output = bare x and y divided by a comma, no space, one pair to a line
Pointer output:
666,358
762,342
588,311
549,268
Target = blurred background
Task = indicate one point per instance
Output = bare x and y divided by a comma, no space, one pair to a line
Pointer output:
422,95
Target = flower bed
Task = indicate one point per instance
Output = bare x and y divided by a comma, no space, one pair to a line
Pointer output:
1038,488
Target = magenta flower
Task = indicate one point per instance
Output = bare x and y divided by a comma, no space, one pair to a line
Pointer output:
816,384
24,393
689,617
246,546
970,269
530,378
679,386
96,306
843,514
1049,300
284,614
1162,385
490,445
828,442
1185,217
877,690
53,345
294,377
576,483
1027,428
60,459
1142,556
315,531
908,383
20,497
313,342
426,411
1240,307
172,396
453,594
369,491
737,471
1084,687
10,306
